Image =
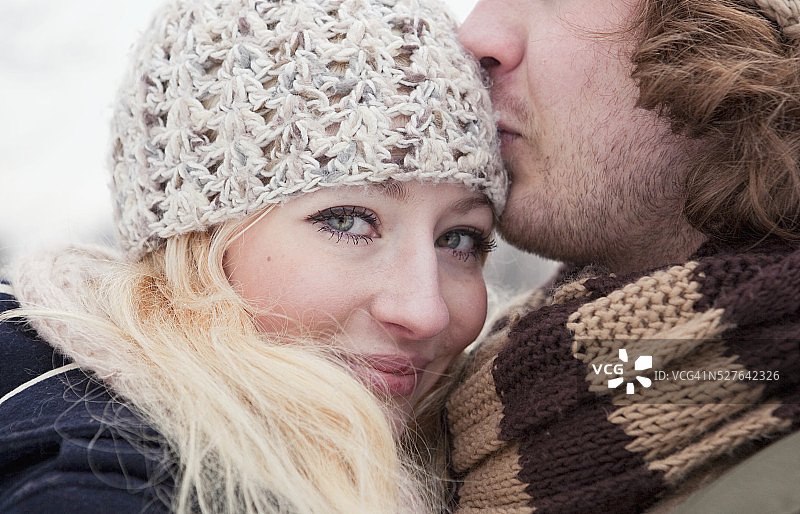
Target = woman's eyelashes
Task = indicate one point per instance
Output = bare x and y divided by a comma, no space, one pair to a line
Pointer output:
467,243
355,224
360,225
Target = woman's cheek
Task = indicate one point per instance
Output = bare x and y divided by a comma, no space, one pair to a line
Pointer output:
468,313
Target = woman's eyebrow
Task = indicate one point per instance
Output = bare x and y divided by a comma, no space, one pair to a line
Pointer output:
465,205
393,189
398,191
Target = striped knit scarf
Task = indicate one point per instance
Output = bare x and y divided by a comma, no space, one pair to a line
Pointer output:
537,426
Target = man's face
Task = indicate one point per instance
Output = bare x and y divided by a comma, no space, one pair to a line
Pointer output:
594,179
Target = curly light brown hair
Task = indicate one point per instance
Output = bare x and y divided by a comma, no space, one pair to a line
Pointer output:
722,72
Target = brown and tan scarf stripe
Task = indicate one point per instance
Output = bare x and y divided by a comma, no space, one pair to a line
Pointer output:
534,428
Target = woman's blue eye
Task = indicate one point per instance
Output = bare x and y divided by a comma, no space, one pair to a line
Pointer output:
466,243
354,224
455,241
342,223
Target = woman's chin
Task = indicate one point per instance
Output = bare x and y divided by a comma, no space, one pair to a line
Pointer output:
398,415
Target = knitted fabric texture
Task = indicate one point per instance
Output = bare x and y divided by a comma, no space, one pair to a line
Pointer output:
786,13
57,279
536,428
233,105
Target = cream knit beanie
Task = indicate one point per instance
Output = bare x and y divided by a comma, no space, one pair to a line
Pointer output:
232,105
786,13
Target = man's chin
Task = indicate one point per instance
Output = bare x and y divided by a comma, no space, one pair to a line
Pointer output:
519,233
536,235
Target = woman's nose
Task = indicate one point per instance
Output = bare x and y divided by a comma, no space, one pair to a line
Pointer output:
494,37
409,302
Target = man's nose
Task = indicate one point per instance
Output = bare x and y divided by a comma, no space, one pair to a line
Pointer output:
494,36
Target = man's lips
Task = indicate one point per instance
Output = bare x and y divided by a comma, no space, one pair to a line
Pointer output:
506,133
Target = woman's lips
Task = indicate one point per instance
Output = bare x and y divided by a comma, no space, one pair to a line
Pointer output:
391,374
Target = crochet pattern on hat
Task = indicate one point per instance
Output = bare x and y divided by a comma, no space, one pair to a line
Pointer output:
232,106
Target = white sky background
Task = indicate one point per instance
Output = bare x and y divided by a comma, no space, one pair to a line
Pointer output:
60,65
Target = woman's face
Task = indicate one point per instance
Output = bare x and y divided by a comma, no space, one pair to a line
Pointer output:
392,272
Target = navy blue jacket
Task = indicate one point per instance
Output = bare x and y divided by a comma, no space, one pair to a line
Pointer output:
65,443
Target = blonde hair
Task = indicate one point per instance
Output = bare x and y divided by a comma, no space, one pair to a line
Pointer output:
251,419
